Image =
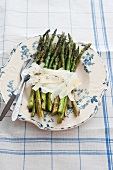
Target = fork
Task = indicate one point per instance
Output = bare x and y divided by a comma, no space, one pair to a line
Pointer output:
18,105
24,78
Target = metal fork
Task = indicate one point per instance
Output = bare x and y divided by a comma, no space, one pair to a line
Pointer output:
19,101
24,78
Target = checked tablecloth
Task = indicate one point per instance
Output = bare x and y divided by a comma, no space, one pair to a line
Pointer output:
22,145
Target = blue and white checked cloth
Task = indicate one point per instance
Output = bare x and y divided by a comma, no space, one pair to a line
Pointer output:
90,146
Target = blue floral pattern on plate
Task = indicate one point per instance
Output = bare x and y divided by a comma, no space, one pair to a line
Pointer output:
25,52
88,61
10,88
35,45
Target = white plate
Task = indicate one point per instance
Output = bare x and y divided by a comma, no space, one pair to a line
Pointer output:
91,72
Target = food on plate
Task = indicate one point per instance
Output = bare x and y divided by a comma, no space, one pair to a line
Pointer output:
53,76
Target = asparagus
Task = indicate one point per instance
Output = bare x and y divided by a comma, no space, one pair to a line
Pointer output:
61,105
58,64
43,101
68,63
56,100
49,102
33,110
47,42
38,50
81,53
44,39
61,114
55,66
31,103
75,108
63,101
49,46
66,50
75,55
62,55
55,106
61,39
47,60
41,97
45,47
46,33
70,39
38,104
31,100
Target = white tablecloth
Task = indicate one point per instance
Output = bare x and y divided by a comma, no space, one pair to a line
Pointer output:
22,145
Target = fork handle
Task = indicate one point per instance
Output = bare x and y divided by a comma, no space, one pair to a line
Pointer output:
7,107
18,105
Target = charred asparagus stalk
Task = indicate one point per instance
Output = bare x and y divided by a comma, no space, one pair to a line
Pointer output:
81,53
56,101
33,110
49,102
31,100
47,60
40,58
63,101
61,115
75,55
62,55
61,39
38,104
55,106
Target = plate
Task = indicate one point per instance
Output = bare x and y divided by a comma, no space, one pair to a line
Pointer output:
91,72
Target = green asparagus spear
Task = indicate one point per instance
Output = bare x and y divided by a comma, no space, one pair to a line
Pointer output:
45,40
62,113
75,108
49,102
44,35
61,39
75,55
33,110
31,100
63,101
68,63
61,105
50,106
47,60
55,106
43,100
81,53
55,66
70,39
49,46
62,55
38,104
66,50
